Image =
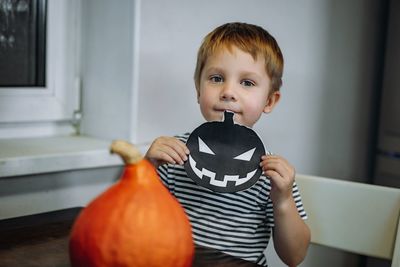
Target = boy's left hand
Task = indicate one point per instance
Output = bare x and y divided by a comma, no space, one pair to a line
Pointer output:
281,174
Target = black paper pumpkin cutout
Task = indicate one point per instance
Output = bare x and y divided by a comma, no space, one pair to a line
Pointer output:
224,156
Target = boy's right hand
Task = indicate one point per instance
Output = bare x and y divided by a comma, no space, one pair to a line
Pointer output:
166,149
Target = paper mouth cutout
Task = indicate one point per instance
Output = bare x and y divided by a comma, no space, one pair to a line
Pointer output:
227,178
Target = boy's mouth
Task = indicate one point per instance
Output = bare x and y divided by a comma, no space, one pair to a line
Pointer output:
228,110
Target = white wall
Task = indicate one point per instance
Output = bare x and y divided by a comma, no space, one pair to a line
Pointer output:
107,68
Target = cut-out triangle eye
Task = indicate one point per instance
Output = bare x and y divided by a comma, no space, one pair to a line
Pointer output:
204,148
246,155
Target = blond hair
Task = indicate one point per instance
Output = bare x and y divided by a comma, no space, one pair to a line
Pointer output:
249,38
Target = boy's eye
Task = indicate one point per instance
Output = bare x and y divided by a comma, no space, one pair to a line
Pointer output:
248,83
216,79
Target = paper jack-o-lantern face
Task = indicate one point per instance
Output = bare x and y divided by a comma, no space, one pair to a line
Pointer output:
224,157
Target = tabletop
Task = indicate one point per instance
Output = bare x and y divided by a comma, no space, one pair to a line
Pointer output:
41,240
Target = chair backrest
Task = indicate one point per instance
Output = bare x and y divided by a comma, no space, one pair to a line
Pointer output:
351,216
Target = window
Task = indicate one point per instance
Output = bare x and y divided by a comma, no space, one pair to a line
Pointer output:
56,98
22,42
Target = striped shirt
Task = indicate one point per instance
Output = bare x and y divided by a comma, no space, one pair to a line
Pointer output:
239,223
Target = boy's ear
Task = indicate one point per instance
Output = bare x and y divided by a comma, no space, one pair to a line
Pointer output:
272,100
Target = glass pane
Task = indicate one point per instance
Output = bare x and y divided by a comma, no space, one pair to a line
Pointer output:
22,43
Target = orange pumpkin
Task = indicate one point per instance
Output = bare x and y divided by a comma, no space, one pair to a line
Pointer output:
136,222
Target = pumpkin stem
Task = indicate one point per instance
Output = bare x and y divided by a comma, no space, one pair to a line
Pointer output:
128,152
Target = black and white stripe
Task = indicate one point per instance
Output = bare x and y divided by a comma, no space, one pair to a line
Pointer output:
237,223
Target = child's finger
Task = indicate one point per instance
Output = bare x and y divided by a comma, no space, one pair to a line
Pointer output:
279,164
165,158
183,146
181,149
275,166
172,152
276,178
178,148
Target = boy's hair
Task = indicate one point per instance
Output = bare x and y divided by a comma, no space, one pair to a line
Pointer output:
248,38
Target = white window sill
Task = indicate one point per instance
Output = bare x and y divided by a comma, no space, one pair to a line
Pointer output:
26,156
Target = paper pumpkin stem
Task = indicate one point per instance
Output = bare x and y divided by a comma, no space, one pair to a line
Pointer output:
228,117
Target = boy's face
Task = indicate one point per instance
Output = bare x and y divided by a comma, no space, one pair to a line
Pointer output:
234,81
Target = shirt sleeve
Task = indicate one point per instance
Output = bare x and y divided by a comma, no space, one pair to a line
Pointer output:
299,203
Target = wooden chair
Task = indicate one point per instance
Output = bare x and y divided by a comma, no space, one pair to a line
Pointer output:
354,217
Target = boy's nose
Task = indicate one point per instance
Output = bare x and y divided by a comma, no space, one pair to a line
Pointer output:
228,93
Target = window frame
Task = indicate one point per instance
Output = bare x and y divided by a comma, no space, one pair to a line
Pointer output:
59,98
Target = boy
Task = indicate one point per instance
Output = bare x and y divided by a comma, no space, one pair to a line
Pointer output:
239,68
